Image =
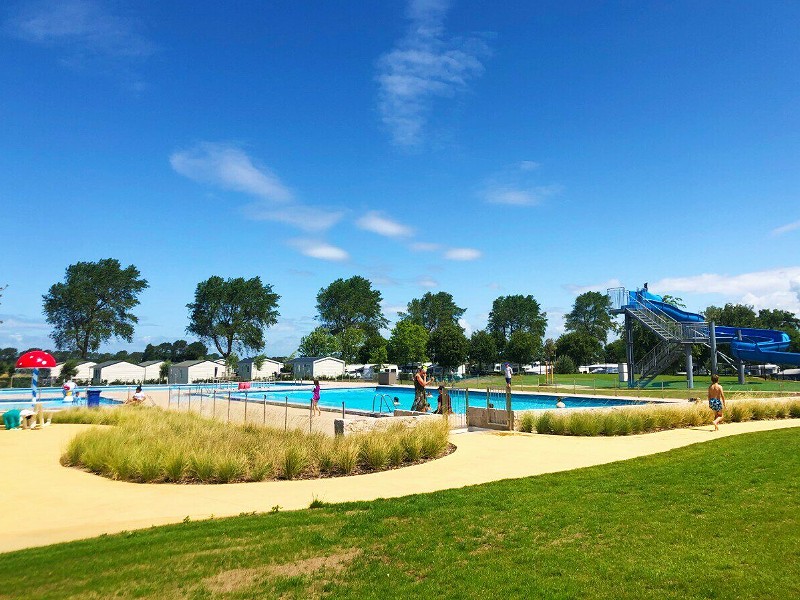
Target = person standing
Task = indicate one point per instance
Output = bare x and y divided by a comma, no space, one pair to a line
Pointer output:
420,394
508,372
315,399
716,400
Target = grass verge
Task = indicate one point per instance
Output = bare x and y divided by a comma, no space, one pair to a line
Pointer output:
151,445
712,520
630,421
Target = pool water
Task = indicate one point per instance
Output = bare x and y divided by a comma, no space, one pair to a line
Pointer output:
383,399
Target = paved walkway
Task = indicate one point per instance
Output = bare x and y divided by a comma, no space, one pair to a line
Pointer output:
65,504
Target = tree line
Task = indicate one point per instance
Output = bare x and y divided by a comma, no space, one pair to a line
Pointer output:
95,302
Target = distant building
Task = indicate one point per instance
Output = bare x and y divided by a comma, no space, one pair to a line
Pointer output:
190,371
309,367
247,370
117,370
152,369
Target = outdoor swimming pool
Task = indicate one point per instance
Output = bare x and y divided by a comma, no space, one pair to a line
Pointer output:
53,404
382,399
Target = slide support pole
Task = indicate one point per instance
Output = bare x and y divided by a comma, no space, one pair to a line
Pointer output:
629,348
689,366
713,339
739,361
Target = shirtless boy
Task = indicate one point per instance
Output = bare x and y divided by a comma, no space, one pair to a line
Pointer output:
716,400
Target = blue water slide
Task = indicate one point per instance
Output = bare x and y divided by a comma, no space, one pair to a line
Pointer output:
756,345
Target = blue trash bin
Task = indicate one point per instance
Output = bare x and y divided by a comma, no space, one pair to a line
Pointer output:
93,398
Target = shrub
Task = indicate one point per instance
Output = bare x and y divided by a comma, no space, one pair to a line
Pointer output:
346,455
374,452
545,422
794,410
564,365
527,423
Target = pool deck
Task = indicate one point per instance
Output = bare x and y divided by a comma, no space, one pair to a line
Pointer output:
56,504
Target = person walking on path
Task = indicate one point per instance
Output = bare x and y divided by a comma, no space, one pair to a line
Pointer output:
315,399
508,373
420,394
716,400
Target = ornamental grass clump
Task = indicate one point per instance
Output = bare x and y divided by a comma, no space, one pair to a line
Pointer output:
645,419
150,445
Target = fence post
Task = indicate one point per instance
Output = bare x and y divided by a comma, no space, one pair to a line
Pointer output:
214,404
487,399
264,415
509,412
245,407
190,400
229,408
286,413
342,410
466,407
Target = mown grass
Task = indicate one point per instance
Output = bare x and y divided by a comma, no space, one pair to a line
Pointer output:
154,446
712,520
634,420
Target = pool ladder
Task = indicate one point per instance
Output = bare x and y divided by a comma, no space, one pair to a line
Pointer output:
383,400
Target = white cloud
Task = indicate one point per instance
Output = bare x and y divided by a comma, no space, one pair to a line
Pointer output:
424,247
307,218
528,165
462,254
773,288
595,287
425,64
786,228
394,309
427,282
231,168
86,32
376,223
465,325
514,196
320,250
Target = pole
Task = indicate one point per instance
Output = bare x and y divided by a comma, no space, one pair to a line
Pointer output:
466,406
229,408
343,410
214,404
739,361
689,366
712,334
629,348
509,412
34,386
245,407
264,416
286,413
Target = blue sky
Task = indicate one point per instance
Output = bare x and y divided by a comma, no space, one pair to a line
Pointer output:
483,149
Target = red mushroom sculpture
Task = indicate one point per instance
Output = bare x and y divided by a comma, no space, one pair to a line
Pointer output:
35,359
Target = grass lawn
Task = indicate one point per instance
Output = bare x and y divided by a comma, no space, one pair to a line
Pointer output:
713,520
664,386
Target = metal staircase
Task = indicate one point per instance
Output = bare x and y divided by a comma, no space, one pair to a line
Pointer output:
673,335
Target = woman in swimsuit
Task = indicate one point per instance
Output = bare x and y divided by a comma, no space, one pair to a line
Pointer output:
716,400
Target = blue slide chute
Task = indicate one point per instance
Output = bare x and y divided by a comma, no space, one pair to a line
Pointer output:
756,345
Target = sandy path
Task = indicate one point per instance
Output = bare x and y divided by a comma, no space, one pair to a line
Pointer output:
67,504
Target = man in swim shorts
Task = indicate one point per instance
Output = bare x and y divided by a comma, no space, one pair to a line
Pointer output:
508,372
716,400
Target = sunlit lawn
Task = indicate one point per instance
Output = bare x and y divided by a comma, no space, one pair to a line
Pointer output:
713,520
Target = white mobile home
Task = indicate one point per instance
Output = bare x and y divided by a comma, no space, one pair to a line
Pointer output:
190,371
247,369
309,367
117,370
152,369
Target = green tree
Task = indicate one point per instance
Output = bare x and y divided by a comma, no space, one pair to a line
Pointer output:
232,364
233,313
374,348
408,343
549,350
581,347
448,346
615,352
320,342
195,351
68,370
258,361
516,313
564,365
350,341
163,370
482,348
433,310
732,315
93,304
347,303
590,315
522,348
